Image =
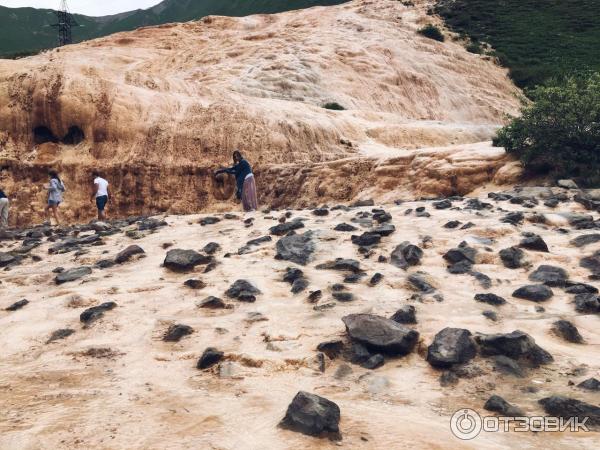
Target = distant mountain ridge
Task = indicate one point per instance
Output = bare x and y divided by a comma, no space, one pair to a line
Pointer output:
29,30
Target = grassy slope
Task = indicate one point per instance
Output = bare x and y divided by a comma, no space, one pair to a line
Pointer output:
24,30
536,39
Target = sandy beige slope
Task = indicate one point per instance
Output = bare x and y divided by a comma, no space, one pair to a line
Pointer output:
161,107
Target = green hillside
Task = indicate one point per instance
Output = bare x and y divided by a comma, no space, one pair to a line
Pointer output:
535,39
28,30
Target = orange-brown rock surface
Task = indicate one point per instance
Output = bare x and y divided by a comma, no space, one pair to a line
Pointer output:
159,108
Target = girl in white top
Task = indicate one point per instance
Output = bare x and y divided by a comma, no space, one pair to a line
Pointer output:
100,194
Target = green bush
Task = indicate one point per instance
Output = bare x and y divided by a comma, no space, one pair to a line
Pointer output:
558,133
432,32
474,47
334,106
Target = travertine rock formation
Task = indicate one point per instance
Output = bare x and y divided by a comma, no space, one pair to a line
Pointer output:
159,108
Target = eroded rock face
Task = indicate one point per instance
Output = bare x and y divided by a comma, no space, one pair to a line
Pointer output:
299,150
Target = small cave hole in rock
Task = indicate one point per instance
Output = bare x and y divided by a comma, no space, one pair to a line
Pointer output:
74,136
43,134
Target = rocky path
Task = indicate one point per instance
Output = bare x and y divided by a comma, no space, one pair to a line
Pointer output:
365,326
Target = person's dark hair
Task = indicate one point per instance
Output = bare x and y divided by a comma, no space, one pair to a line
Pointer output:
53,174
95,174
236,155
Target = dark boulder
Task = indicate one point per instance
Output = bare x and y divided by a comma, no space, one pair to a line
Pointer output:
345,227
375,279
209,358
587,303
585,239
72,274
442,204
550,275
567,331
498,405
299,285
565,407
195,283
212,302
243,290
451,346
128,253
179,260
331,348
366,239
17,305
490,299
592,263
297,248
341,264
418,281
321,212
292,274
533,292
512,257
96,312
406,255
591,384
208,221
534,242
406,314
176,332
312,415
380,334
285,228
63,333
513,218
211,248
516,345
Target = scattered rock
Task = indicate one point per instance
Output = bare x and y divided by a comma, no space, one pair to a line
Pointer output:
497,404
580,288
534,242
72,274
212,247
60,334
508,366
567,331
419,281
96,312
375,279
209,358
592,263
587,303
516,345
380,334
565,407
406,314
567,184
443,204
212,303
195,283
405,255
179,260
297,248
344,227
299,285
591,384
512,257
176,332
209,221
534,292
343,296
490,299
585,239
513,218
349,265
492,315
550,275
312,415
451,346
321,212
126,254
331,348
367,239
315,296
17,305
461,259
374,362
243,291
285,228
452,224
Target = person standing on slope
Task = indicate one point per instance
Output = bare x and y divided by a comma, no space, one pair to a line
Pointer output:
100,194
244,180
3,209
55,191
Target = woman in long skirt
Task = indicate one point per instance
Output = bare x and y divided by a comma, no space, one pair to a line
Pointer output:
244,179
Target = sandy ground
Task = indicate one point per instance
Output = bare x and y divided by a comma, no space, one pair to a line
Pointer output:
146,393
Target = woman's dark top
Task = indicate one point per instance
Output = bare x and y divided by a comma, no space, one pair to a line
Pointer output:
2,194
241,170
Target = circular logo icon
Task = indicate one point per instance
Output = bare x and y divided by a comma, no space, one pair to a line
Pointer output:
465,424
